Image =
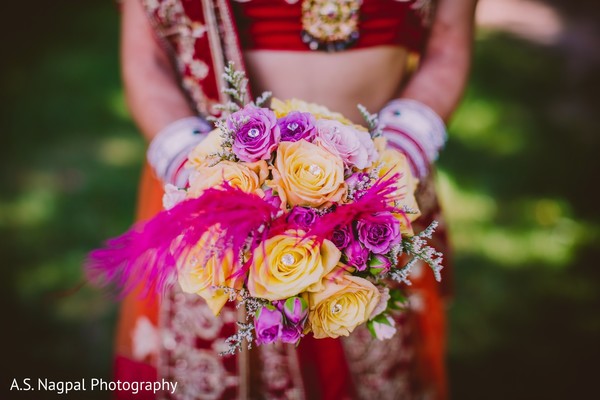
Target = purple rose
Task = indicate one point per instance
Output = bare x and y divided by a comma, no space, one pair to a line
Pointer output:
302,217
379,232
357,255
256,133
297,125
291,334
295,310
379,264
341,237
268,324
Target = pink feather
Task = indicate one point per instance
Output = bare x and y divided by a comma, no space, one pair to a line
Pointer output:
147,254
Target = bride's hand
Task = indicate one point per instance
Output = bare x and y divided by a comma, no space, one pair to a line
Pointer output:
168,151
415,130
414,123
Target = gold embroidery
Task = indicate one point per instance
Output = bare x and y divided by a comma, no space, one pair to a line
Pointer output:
381,368
200,373
330,25
279,372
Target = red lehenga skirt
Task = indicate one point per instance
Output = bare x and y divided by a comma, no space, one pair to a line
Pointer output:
177,339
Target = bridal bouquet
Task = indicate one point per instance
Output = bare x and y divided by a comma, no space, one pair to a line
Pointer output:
294,212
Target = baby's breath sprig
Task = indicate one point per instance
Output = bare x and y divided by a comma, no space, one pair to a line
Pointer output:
395,252
238,84
406,209
427,233
224,109
357,189
235,342
372,121
400,275
418,248
262,99
243,297
375,171
252,304
245,331
227,134
237,92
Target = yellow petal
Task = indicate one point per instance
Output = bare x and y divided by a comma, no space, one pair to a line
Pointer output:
215,299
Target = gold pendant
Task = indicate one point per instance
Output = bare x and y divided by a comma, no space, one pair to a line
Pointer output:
330,25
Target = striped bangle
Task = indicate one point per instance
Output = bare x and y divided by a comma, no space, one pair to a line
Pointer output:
414,129
169,150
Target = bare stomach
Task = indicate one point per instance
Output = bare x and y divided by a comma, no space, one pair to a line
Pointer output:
340,81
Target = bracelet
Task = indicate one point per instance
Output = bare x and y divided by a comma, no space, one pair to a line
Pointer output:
169,150
415,129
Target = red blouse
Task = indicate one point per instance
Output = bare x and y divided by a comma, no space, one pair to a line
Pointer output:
277,24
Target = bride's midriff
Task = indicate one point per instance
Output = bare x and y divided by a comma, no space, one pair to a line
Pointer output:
340,81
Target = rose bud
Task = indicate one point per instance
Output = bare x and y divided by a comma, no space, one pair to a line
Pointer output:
379,264
382,327
291,334
341,237
357,255
295,310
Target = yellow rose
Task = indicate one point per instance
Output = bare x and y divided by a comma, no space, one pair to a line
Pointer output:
283,108
307,175
248,177
200,271
345,302
286,266
203,154
394,162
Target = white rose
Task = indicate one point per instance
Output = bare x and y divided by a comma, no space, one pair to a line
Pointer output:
382,327
173,196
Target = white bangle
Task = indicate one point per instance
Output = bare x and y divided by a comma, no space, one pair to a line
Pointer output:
415,129
170,148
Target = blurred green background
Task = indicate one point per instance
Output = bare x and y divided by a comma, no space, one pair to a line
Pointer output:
518,179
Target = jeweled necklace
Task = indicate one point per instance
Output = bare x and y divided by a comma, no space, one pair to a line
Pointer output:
330,25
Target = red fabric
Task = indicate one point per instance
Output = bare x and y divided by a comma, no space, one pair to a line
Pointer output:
127,370
277,25
324,369
202,49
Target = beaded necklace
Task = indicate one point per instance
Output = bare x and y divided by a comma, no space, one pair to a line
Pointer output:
330,25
